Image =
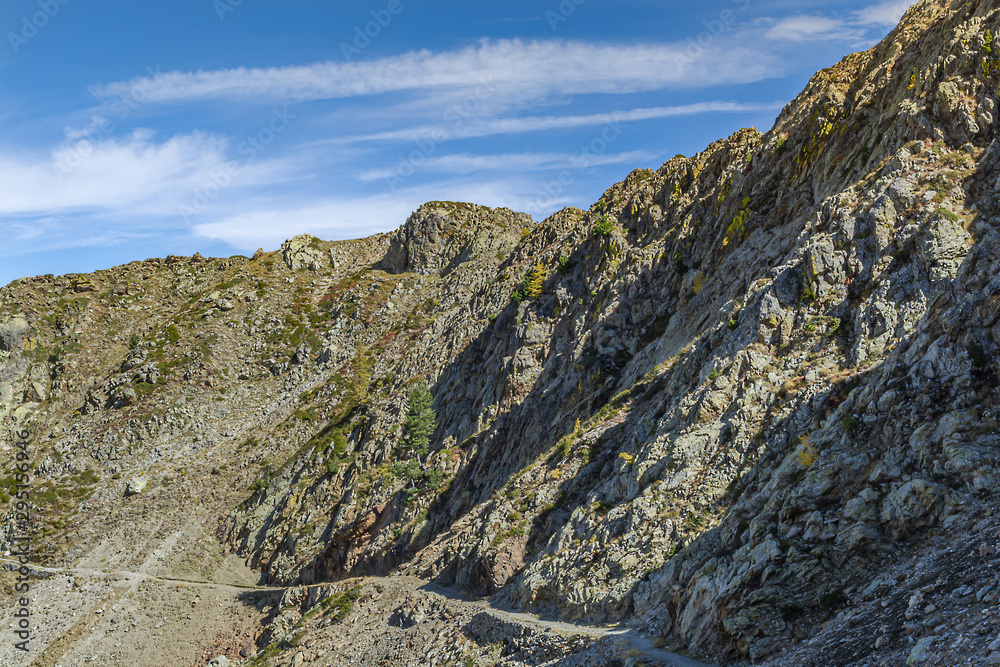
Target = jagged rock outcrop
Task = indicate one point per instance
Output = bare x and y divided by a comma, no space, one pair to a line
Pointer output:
303,252
441,235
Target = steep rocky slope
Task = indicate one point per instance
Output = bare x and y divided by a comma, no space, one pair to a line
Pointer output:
746,402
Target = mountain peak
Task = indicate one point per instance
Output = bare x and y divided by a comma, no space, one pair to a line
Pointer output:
440,235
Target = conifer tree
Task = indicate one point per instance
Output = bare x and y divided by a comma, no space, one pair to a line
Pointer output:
420,420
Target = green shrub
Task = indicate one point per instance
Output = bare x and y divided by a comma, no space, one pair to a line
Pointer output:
263,482
432,480
603,227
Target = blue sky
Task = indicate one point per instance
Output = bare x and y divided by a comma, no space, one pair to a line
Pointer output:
141,129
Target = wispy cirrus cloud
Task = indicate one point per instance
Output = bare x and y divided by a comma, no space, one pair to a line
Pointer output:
534,69
345,216
855,27
884,14
465,163
525,124
811,28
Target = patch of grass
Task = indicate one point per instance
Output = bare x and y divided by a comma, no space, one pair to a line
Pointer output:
306,414
232,282
144,389
947,214
338,606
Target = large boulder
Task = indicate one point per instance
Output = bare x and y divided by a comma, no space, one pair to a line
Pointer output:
943,247
303,252
135,486
13,333
909,507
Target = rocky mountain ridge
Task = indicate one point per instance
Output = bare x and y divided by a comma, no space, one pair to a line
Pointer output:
746,402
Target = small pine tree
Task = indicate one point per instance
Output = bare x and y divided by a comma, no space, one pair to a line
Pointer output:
421,420
361,365
532,286
536,281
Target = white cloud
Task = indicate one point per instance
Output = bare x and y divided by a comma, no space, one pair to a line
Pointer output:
135,174
885,14
499,126
855,27
808,29
530,69
340,218
465,163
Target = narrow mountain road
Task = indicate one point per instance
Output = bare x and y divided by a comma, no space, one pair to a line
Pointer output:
636,640
139,576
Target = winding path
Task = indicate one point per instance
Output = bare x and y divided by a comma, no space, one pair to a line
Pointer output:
636,640
139,576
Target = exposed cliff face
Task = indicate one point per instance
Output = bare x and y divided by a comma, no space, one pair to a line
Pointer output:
725,403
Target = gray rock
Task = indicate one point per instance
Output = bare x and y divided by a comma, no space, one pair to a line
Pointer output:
943,247
909,507
920,653
303,252
13,333
135,486
788,287
129,397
